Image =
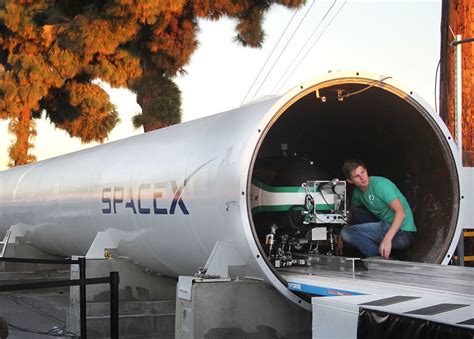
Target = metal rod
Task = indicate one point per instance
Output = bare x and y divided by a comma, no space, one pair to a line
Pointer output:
461,249
82,297
458,95
41,261
54,283
114,305
5,242
458,121
353,265
457,42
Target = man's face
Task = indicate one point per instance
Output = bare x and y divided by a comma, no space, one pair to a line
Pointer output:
360,177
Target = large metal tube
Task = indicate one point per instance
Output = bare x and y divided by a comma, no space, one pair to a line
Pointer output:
167,197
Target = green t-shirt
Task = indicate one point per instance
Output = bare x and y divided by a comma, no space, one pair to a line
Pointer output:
376,199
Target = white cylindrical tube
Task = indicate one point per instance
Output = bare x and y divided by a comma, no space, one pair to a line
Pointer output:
168,196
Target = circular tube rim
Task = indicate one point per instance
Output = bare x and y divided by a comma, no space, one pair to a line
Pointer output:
279,107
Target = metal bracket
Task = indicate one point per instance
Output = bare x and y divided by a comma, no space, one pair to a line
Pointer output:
222,256
4,242
353,265
10,237
104,242
185,283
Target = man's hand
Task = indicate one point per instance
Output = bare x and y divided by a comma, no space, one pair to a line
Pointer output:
339,246
385,248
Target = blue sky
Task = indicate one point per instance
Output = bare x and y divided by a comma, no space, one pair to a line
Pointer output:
396,38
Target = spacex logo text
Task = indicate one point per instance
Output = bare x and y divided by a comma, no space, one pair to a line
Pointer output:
147,199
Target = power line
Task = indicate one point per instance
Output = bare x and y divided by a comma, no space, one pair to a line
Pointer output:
269,56
304,45
284,48
314,43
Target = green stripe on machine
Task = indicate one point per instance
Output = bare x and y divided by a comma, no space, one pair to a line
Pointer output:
285,208
275,208
281,189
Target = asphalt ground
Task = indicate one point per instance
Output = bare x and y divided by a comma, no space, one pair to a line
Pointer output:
32,313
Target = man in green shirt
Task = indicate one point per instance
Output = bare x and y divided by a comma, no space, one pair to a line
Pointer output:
393,226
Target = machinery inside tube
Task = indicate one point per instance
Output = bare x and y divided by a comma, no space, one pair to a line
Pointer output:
299,220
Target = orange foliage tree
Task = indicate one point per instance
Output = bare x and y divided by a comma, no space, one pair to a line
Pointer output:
53,51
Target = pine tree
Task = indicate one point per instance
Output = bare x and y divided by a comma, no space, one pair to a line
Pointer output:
52,52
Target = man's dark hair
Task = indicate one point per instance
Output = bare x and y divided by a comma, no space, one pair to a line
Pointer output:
350,165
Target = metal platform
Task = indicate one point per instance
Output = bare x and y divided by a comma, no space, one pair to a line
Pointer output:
364,276
442,294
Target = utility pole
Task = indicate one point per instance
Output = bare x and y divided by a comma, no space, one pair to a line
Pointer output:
457,18
456,95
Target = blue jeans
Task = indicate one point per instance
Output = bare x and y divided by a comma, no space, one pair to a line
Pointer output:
361,215
366,237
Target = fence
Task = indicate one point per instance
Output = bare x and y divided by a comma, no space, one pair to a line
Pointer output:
113,279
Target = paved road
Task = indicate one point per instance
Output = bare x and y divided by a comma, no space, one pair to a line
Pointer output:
41,312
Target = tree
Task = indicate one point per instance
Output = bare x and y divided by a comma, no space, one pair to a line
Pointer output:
458,15
52,52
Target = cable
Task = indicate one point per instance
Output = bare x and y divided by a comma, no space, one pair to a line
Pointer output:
372,84
308,199
455,42
328,205
54,332
314,43
269,56
436,86
31,307
303,46
342,216
322,195
451,30
284,48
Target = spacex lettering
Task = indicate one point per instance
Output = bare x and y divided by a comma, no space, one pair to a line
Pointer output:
147,197
112,197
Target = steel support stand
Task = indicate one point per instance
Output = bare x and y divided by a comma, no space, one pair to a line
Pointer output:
82,297
114,305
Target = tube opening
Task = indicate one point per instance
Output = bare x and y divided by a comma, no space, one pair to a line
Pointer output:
309,141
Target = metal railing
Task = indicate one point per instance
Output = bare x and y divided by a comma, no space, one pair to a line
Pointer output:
113,279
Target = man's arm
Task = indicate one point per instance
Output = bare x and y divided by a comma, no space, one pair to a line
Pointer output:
386,244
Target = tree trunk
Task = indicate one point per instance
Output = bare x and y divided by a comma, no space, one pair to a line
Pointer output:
458,16
146,99
23,128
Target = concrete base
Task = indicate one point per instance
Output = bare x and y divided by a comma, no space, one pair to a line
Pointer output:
135,282
24,250
136,287
239,309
